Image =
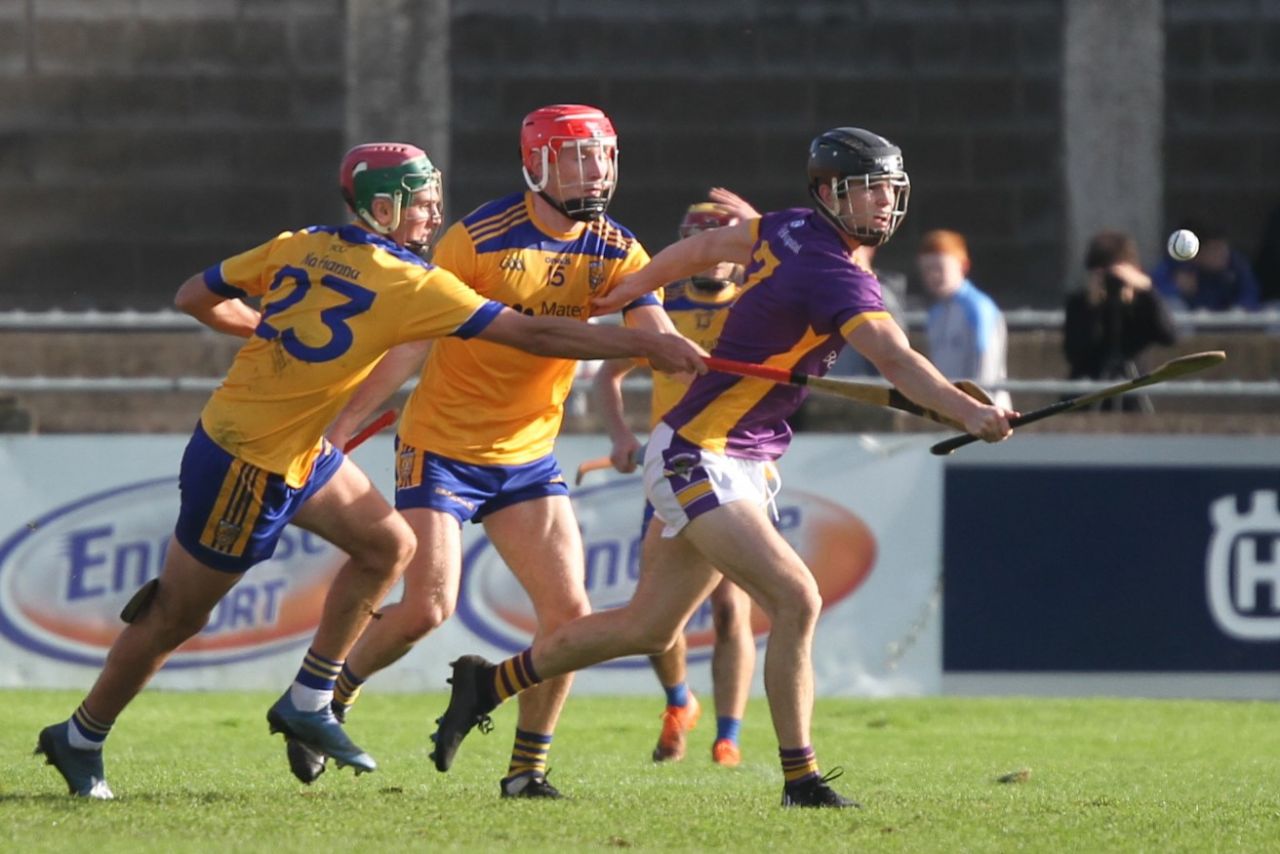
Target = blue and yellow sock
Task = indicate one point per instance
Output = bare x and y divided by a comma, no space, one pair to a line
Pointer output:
312,688
799,765
728,729
347,689
514,675
85,732
529,753
677,694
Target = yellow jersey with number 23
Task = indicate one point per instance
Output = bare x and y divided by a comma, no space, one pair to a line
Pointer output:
334,300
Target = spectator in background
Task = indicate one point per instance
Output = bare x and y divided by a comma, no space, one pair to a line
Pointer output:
1267,264
1217,279
1115,316
966,331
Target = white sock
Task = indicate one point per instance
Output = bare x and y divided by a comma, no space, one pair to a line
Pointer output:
306,699
78,741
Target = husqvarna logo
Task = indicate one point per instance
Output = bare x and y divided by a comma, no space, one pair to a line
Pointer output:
1242,569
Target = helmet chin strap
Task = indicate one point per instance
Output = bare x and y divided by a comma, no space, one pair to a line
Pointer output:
583,214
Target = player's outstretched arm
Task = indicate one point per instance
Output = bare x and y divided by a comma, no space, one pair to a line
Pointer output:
679,261
572,339
393,371
606,392
215,311
883,342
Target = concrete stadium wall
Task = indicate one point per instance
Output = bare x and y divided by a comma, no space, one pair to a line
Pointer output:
144,139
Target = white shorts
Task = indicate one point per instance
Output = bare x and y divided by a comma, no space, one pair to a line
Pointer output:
683,481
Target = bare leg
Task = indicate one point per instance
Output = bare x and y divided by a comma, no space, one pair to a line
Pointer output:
188,592
350,513
671,666
738,539
734,658
430,594
553,576
674,579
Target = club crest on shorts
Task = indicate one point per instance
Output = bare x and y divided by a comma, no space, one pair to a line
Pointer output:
680,464
225,536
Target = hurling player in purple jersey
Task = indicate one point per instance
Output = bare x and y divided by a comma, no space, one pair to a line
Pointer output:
804,298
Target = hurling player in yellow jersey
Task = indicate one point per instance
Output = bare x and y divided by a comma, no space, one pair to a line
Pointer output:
698,307
476,437
333,301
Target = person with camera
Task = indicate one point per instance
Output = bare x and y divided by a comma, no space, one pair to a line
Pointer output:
1116,315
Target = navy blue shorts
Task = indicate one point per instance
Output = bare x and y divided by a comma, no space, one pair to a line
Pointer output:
233,512
467,491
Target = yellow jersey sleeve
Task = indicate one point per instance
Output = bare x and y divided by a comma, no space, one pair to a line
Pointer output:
242,275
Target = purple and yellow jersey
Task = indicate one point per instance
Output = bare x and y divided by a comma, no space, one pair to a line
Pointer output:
698,316
801,298
488,404
334,300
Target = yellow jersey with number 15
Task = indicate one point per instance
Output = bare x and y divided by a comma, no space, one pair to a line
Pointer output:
488,404
334,300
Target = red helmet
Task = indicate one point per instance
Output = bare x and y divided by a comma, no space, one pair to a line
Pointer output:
703,216
394,170
574,138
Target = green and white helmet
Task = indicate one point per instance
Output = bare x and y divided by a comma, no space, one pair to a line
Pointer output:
393,170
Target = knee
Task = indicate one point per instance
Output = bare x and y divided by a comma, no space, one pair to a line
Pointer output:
555,615
799,605
171,625
390,552
652,639
420,620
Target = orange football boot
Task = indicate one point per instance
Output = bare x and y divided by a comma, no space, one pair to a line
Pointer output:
725,752
676,721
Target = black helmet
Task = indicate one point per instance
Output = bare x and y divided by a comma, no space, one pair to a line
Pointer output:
843,154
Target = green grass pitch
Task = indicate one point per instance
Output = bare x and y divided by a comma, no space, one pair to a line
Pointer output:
198,772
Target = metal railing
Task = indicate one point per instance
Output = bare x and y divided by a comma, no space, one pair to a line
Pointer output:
172,321
1267,320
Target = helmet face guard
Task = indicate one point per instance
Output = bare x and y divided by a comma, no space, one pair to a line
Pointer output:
569,156
859,221
393,171
852,163
586,172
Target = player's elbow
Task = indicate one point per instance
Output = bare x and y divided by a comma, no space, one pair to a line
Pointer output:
190,298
